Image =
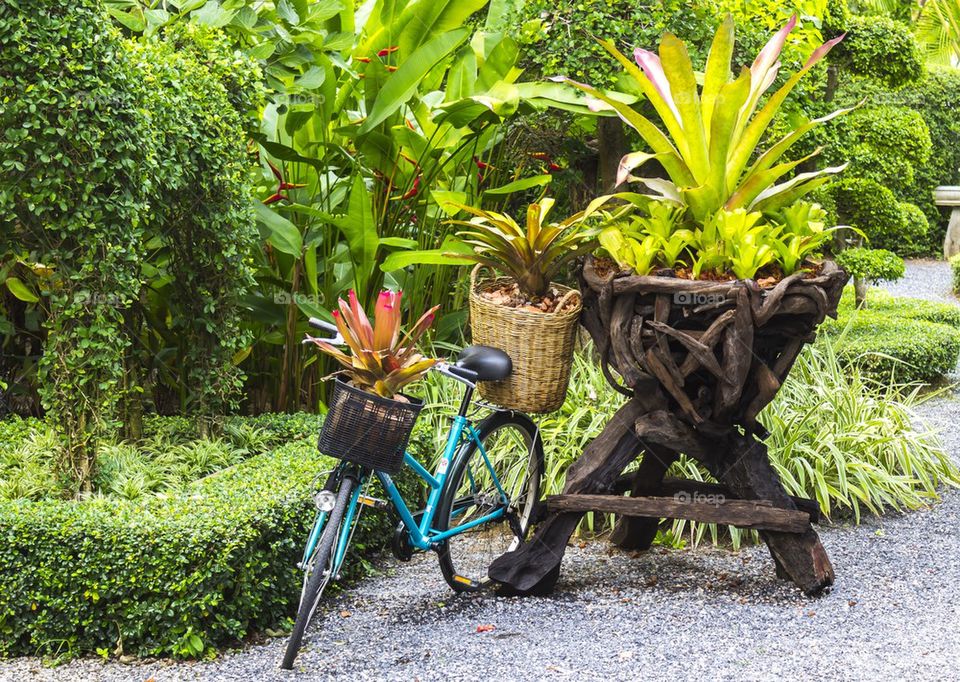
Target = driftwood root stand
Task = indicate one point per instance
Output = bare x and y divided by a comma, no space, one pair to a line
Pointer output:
699,361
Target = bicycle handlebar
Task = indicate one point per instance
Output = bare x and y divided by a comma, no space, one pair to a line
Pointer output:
317,323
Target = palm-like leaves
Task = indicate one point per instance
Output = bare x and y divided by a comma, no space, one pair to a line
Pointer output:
533,254
380,360
938,30
709,136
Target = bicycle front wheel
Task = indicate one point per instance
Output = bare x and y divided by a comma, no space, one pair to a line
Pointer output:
505,474
320,570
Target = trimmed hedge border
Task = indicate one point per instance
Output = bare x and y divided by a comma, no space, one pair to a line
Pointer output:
912,340
177,576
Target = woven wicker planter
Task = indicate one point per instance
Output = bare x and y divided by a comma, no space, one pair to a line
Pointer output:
719,350
539,344
367,429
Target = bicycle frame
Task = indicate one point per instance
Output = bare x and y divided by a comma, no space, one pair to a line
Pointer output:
422,535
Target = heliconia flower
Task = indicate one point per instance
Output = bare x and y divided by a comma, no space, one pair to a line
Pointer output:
291,185
365,60
480,164
388,50
274,198
413,190
391,68
276,171
540,156
554,167
409,123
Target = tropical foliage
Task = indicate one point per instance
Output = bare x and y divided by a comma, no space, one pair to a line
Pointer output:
709,139
533,255
381,360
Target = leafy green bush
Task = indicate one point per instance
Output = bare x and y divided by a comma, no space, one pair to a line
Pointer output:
955,270
884,143
123,163
937,98
174,576
881,48
873,265
170,457
880,301
893,347
874,210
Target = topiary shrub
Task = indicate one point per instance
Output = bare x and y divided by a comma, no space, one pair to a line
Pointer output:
880,301
909,339
955,270
936,96
882,143
869,207
881,48
885,346
915,229
869,265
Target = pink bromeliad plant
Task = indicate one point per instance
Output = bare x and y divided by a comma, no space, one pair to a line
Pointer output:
381,360
708,140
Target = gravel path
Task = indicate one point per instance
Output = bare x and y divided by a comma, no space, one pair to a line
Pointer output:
691,614
930,279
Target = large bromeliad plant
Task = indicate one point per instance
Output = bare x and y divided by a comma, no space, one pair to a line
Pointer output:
725,208
381,360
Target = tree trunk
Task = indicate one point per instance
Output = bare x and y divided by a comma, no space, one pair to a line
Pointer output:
612,147
860,288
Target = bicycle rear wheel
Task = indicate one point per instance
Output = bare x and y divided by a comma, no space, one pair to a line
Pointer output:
320,570
514,451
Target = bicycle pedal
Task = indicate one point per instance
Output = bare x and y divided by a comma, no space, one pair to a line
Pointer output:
372,502
464,580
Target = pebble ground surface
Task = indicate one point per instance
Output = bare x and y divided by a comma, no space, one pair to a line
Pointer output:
693,614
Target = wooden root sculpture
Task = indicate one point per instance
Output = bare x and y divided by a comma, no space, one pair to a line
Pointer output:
699,360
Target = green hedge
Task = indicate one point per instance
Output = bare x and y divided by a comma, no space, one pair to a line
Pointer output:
880,48
174,576
908,339
955,270
936,97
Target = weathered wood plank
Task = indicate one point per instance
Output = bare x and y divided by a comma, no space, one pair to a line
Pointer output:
755,514
669,487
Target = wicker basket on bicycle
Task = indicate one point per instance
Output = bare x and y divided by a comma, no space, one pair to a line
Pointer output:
539,344
367,429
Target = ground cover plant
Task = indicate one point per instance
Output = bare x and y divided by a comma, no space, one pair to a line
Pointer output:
838,435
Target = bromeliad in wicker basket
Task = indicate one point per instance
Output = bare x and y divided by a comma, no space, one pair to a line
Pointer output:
381,361
521,310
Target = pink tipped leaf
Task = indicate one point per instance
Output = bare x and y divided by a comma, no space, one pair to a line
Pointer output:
363,329
653,70
386,319
770,54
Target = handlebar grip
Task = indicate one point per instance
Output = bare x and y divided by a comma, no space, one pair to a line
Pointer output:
317,323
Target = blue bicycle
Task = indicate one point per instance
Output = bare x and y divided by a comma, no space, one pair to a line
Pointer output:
483,496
